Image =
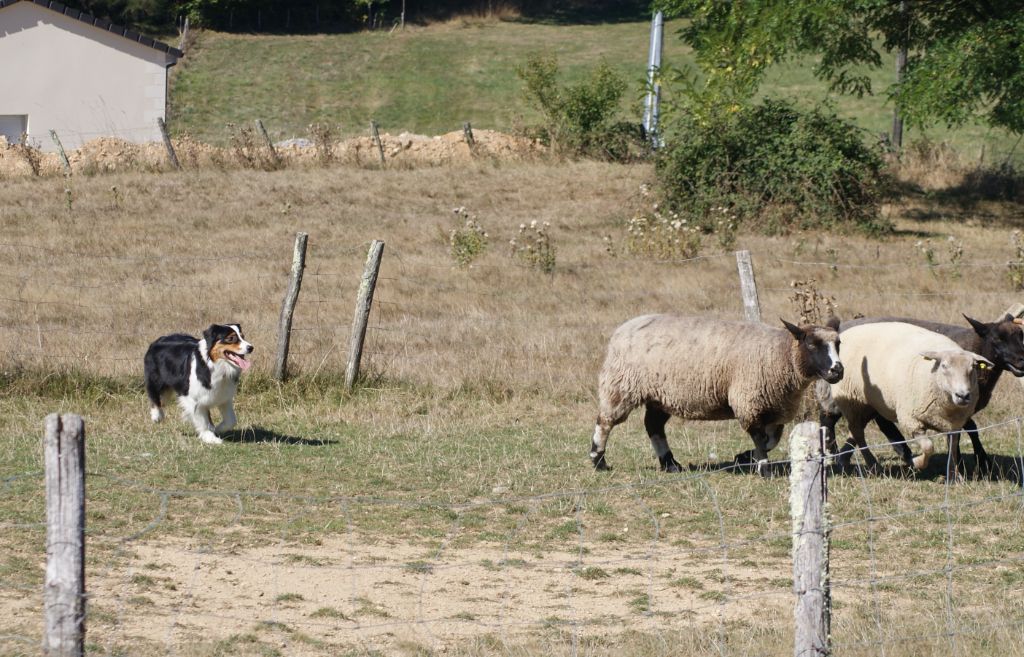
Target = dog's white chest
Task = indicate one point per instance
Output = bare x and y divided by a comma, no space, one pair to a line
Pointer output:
223,385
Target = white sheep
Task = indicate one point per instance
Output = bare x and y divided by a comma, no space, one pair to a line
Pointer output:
918,379
708,369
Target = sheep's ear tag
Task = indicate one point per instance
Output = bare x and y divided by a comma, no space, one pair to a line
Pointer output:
982,365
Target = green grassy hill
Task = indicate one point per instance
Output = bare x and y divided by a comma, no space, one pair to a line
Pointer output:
430,80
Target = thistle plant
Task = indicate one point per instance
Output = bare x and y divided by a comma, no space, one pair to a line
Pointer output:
532,246
660,234
468,241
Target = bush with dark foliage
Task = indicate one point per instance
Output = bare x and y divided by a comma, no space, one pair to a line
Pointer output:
776,168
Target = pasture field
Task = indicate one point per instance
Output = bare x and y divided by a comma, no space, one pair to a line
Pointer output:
429,80
447,505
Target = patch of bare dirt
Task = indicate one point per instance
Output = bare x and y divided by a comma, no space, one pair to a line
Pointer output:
316,600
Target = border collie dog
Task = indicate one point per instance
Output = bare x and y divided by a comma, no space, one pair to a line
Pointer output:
203,373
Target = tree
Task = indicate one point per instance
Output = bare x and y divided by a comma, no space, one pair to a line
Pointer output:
966,57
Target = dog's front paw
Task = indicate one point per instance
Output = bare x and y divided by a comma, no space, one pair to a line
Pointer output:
156,413
210,438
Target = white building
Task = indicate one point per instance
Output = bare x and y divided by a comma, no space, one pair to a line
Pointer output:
64,70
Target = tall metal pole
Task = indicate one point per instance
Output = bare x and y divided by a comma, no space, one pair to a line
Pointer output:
901,64
653,99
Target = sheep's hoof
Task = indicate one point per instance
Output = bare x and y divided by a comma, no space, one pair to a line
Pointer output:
599,463
669,464
764,469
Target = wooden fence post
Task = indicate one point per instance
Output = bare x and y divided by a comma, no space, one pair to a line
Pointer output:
748,288
284,325
171,155
274,158
60,150
375,134
808,493
64,587
363,301
467,133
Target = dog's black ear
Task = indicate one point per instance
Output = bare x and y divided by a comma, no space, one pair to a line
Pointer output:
212,334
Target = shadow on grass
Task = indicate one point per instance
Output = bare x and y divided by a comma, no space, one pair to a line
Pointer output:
1004,468
586,12
992,196
261,435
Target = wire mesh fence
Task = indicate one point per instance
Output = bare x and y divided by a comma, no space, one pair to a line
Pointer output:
314,574
696,563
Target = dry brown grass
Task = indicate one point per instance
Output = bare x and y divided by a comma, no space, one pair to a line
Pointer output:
142,255
480,387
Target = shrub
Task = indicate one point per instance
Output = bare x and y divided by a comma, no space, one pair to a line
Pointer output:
775,167
580,119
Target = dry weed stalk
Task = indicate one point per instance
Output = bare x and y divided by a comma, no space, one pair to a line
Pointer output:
29,152
1015,267
812,306
249,149
322,136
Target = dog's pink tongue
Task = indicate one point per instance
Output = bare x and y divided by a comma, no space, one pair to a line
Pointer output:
243,363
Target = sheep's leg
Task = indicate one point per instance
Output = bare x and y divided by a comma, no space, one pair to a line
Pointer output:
829,421
654,422
607,418
760,454
857,425
984,460
899,443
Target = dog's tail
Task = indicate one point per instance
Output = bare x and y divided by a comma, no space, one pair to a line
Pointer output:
153,388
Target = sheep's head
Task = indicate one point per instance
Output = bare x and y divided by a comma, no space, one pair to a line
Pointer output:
818,349
1005,341
955,373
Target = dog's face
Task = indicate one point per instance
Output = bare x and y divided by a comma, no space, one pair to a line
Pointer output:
226,344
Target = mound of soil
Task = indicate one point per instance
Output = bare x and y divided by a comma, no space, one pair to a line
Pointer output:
109,154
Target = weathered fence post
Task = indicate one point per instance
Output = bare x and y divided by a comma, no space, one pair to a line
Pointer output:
808,492
274,158
284,325
363,301
64,587
171,155
60,151
375,134
748,288
467,134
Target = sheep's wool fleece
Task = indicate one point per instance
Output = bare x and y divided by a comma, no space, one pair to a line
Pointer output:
704,369
884,371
